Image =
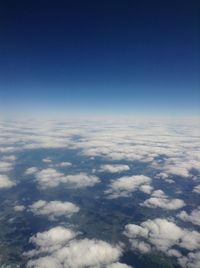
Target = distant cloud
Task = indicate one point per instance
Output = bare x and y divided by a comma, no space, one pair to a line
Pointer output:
50,177
124,186
58,248
160,199
114,168
53,209
5,182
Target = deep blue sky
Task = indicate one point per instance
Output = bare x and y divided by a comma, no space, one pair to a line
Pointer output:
100,56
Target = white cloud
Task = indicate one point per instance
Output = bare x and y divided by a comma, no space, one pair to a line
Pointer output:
146,188
197,189
46,160
9,158
163,235
159,199
19,208
124,186
114,168
118,265
5,182
64,164
31,170
53,209
192,260
193,217
51,178
58,247
5,166
44,262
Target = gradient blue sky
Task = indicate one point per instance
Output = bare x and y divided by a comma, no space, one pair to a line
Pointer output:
87,57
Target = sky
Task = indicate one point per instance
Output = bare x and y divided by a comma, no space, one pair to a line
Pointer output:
99,57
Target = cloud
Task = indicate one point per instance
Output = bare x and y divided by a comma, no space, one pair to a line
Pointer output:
64,164
118,265
191,261
11,158
197,189
161,200
50,177
5,166
46,160
19,208
163,235
53,209
5,182
193,217
31,171
114,168
181,167
124,186
59,247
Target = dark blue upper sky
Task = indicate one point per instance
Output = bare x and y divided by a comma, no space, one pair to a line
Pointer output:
100,56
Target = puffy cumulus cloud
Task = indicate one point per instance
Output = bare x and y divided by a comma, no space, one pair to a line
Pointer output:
160,199
53,238
46,160
164,235
87,253
146,188
82,180
192,260
19,208
53,209
114,168
44,262
193,217
10,158
31,171
5,166
5,182
197,189
59,247
124,186
64,164
51,178
181,167
164,176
